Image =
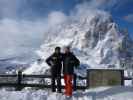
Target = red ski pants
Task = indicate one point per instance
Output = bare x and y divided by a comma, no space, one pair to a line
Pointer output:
68,84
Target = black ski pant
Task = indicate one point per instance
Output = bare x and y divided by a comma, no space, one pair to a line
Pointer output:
56,79
74,82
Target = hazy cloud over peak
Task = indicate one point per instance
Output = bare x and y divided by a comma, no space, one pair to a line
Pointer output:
31,9
129,18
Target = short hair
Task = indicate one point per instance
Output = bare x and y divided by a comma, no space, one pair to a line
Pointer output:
68,47
57,48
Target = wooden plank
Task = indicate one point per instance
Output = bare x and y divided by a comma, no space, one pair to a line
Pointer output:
36,76
34,85
82,78
46,76
8,75
107,69
8,84
128,78
81,87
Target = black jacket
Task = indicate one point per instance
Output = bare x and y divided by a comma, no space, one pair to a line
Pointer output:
69,62
55,61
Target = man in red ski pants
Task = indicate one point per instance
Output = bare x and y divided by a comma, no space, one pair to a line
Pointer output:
69,62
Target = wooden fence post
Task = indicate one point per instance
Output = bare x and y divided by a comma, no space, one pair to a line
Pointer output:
19,80
88,78
122,78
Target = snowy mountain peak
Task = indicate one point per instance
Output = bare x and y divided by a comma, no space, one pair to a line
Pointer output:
94,37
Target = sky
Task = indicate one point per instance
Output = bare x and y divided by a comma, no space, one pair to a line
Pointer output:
24,22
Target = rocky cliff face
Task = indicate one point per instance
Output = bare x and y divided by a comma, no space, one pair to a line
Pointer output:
95,39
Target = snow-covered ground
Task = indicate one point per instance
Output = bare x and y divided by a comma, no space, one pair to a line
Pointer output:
101,93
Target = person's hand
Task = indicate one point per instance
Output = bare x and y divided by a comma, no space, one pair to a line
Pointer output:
51,63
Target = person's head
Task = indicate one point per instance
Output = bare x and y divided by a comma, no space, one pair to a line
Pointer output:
57,50
67,49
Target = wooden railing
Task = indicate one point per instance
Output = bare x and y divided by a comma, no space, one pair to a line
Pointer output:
19,84
19,78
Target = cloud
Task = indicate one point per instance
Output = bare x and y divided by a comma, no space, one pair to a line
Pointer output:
24,23
29,9
129,18
21,8
9,8
56,17
19,37
25,36
102,4
32,9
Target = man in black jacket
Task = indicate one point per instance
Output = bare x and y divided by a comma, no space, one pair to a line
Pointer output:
55,61
69,62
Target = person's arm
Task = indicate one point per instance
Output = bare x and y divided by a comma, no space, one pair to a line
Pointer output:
49,61
76,61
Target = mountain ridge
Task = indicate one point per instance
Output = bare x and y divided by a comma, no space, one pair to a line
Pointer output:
95,39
